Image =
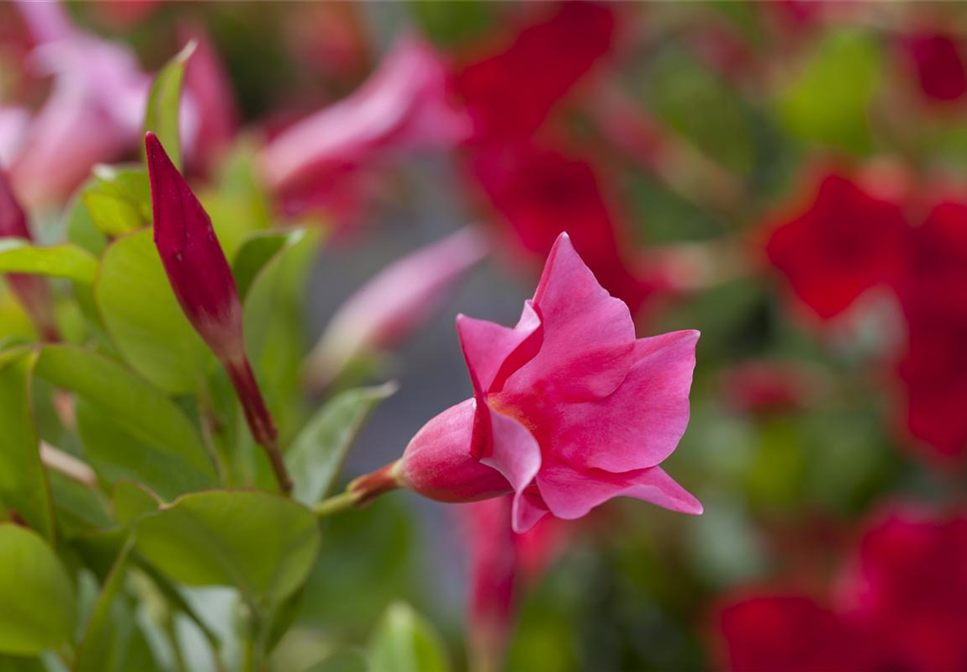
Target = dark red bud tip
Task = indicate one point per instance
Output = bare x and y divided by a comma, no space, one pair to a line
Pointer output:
172,200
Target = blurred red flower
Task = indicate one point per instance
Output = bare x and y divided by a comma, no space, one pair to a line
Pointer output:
843,243
939,67
900,604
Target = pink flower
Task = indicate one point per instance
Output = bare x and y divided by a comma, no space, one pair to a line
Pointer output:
939,66
205,288
394,302
32,291
569,409
403,106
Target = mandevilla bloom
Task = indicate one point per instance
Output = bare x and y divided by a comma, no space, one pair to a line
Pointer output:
393,303
569,409
32,291
204,286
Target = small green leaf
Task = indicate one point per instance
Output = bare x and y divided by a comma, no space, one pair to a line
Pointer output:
38,598
316,456
59,261
81,229
143,434
143,318
23,482
102,647
79,507
263,544
117,199
405,642
164,103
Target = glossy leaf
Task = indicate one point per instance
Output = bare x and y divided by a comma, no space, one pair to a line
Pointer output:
130,428
164,103
261,543
59,261
143,318
405,642
38,598
256,252
117,199
316,456
23,482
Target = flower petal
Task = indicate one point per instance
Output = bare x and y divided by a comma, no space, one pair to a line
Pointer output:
589,336
514,452
571,494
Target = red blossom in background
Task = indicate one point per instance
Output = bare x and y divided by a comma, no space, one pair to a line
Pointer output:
843,243
32,291
938,65
901,604
569,409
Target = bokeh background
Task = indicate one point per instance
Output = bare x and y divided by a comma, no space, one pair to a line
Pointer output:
787,177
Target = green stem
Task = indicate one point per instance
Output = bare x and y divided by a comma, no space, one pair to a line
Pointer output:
341,502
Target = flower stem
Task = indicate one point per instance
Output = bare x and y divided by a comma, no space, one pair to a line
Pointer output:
341,502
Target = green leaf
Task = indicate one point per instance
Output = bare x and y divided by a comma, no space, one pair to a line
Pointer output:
143,318
132,501
81,229
164,103
828,103
316,456
257,251
59,261
262,544
23,482
118,200
102,647
38,598
129,426
274,330
350,660
79,507
405,642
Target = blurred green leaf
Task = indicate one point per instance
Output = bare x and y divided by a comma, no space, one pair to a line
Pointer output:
350,660
38,598
238,205
102,646
81,229
828,101
164,103
21,664
169,456
132,501
261,543
79,507
257,251
405,642
59,261
23,481
143,318
316,456
118,201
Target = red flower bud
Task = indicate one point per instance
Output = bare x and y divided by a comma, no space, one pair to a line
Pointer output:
204,286
194,261
32,291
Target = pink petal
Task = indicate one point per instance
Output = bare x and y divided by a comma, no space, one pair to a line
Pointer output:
515,454
529,509
589,336
493,352
572,494
637,426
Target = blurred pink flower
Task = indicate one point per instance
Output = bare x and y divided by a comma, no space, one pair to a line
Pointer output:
763,386
32,291
900,603
569,409
501,562
394,303
13,126
403,106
